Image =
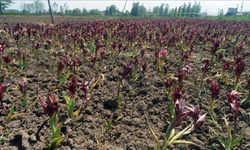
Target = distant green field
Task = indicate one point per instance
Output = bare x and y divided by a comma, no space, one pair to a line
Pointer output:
237,18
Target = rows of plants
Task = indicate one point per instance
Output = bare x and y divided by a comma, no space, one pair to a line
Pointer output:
190,74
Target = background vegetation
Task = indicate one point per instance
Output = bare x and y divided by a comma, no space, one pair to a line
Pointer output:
138,11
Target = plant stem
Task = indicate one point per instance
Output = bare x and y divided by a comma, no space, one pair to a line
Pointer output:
168,133
201,85
223,75
118,93
211,104
246,100
235,82
211,60
171,107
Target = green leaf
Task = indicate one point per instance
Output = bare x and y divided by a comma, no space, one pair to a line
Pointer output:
66,77
119,117
217,52
93,85
172,133
119,101
114,55
58,130
76,112
239,138
228,131
55,142
13,116
178,135
224,144
68,101
10,113
2,139
71,107
245,101
106,124
184,142
52,123
127,54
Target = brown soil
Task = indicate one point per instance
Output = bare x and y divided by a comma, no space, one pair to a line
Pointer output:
143,99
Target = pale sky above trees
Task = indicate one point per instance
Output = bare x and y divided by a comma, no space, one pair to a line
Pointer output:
210,6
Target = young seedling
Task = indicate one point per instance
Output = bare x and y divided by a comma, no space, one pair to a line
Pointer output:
225,67
143,66
238,71
3,88
51,106
233,99
35,51
70,104
56,138
126,70
98,141
108,124
85,87
10,115
22,85
60,66
180,113
214,48
102,53
205,67
2,139
214,88
247,99
7,60
72,86
21,59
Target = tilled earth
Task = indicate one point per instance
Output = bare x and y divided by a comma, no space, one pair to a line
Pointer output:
144,100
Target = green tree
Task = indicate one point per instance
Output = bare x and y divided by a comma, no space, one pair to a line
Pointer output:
107,10
127,13
161,9
221,12
179,12
76,12
4,4
171,12
142,10
166,10
183,11
112,9
135,9
188,10
175,12
85,12
156,10
94,12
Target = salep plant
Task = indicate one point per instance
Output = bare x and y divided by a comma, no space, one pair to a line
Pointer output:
3,87
70,101
180,113
232,141
22,85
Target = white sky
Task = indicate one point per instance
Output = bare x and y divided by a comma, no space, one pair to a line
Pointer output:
210,6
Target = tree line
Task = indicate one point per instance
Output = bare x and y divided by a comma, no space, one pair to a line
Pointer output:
164,10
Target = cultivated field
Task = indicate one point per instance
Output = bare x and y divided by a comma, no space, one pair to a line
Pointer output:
124,84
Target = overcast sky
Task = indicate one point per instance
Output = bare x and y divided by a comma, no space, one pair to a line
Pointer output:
210,6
